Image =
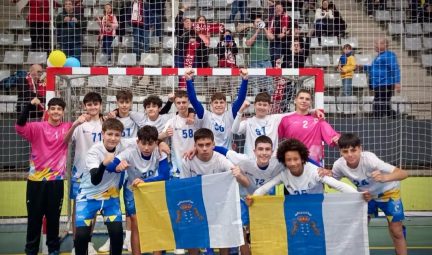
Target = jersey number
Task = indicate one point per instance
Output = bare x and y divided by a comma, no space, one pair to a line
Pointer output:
187,133
97,137
126,132
360,183
147,174
259,182
219,128
305,124
260,131
300,192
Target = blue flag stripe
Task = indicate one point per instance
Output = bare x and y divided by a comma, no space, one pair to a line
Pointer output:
304,224
187,212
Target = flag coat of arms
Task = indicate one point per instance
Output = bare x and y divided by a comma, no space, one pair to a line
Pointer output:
197,212
330,224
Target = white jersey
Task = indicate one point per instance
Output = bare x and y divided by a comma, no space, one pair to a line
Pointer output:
217,164
141,119
181,141
221,126
111,182
361,175
255,127
85,136
256,175
130,127
140,166
307,183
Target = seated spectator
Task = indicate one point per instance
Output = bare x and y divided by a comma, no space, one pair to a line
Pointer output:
279,25
108,25
69,30
227,50
238,6
323,19
339,24
203,41
373,5
140,28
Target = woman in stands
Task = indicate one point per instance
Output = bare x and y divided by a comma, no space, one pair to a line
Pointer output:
227,50
69,30
323,19
203,42
339,23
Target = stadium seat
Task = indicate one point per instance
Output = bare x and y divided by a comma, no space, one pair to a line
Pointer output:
115,42
126,59
103,2
91,41
309,83
154,42
8,103
347,104
90,3
36,58
93,26
223,14
209,13
205,3
168,42
413,43
304,27
127,42
332,80
169,81
353,41
396,28
149,59
427,42
397,4
426,60
213,60
314,44
382,15
98,81
168,28
398,16
4,74
78,82
98,12
427,27
87,12
321,60
102,59
367,104
7,39
190,13
330,104
13,57
240,60
167,59
111,104
122,81
363,59
297,15
214,40
254,4
24,40
414,29
230,27
329,41
335,60
360,81
17,24
221,3
400,104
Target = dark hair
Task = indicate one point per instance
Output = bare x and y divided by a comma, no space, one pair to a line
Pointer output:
263,139
148,134
218,96
152,99
203,133
92,97
304,91
348,140
112,124
222,35
347,46
292,145
263,97
57,101
124,95
180,93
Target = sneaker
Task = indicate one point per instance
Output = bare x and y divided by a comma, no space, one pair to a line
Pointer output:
127,245
105,247
179,251
91,250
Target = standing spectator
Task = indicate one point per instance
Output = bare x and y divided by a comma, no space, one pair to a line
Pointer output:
238,6
108,26
140,27
384,78
346,67
323,19
227,50
373,5
258,39
299,48
69,30
32,86
203,41
124,17
183,31
339,24
279,25
427,13
156,11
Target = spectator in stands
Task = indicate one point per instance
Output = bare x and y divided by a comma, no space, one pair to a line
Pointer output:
323,19
238,6
227,50
69,30
373,5
203,41
185,34
300,49
427,13
108,25
339,24
346,67
384,78
140,28
156,9
279,26
32,86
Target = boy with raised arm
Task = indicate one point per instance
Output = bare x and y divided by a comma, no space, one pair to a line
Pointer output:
207,162
376,177
144,163
218,119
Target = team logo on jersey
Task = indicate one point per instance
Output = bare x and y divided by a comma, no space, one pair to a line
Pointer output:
304,225
187,212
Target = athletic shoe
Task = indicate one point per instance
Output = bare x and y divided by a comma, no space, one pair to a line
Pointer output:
105,247
127,245
91,250
179,251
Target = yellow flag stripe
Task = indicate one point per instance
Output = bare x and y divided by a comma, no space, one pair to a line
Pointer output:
154,224
261,229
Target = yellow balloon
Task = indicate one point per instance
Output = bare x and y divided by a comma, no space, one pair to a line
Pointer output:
57,58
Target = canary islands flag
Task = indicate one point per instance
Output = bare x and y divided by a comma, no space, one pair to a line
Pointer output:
196,212
330,224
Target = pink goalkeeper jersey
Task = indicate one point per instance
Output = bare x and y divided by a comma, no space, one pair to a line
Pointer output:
309,130
48,150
